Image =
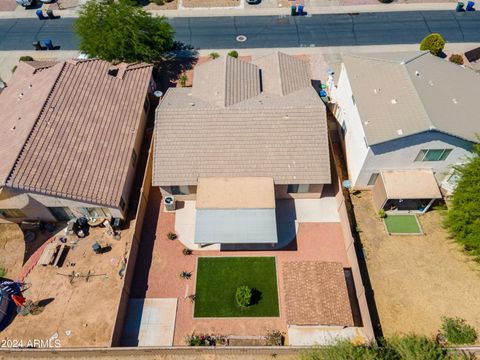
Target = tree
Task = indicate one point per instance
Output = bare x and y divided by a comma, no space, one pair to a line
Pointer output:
233,53
243,295
117,31
463,217
434,43
456,58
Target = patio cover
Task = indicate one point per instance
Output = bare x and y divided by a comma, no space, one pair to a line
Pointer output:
237,210
405,184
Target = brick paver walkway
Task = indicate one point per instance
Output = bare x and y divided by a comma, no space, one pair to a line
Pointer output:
161,261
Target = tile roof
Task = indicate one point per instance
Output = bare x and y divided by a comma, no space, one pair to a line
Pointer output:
316,294
81,132
407,93
269,135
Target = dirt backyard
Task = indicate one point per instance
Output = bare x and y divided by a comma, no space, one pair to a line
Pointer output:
417,279
12,249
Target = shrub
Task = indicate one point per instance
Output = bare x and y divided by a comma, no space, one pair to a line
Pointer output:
456,58
274,338
382,214
214,55
233,53
3,272
171,236
183,80
26,58
243,295
433,43
457,331
185,275
386,1
410,347
187,252
14,69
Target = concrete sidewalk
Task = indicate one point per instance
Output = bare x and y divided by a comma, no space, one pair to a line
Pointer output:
254,11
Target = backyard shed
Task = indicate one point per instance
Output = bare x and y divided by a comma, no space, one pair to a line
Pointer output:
405,190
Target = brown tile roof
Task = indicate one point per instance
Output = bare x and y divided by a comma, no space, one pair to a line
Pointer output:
316,294
81,132
268,135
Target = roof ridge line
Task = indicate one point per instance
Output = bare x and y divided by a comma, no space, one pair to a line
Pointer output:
22,150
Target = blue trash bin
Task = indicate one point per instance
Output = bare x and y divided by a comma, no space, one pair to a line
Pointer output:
300,10
470,5
40,14
48,44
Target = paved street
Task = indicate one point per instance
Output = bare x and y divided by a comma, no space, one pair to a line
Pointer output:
273,31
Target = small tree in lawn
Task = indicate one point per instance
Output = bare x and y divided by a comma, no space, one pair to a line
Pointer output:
433,43
243,296
117,31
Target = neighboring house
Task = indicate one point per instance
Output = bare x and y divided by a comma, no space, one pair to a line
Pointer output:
405,111
70,136
262,122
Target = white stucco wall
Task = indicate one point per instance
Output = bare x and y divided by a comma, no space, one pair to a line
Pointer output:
348,117
401,154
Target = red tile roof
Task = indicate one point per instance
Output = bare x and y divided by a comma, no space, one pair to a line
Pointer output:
80,144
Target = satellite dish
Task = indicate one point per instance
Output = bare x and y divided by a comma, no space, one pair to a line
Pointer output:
158,94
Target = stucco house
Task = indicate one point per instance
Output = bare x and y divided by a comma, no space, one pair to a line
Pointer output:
245,134
70,135
405,112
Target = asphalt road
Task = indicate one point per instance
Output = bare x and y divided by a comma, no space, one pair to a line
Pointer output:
274,31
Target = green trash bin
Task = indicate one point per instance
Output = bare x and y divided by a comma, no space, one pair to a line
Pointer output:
293,10
459,7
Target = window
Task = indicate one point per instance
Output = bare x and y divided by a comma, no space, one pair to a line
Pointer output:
12,213
433,154
179,190
373,179
297,188
134,158
61,213
95,212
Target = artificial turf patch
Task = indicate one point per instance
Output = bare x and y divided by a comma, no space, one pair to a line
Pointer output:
219,277
402,224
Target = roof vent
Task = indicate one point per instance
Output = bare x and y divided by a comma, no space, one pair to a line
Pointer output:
13,128
430,83
393,101
417,73
366,122
113,71
400,132
376,91
455,101
192,104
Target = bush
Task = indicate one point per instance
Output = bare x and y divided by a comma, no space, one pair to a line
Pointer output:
187,252
386,1
159,2
3,272
457,331
243,295
183,80
274,338
456,58
382,214
214,55
233,54
171,236
26,58
433,43
14,68
464,212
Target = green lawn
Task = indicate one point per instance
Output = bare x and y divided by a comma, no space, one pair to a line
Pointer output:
218,279
402,224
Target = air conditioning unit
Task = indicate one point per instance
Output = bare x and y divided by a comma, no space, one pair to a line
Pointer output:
169,202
